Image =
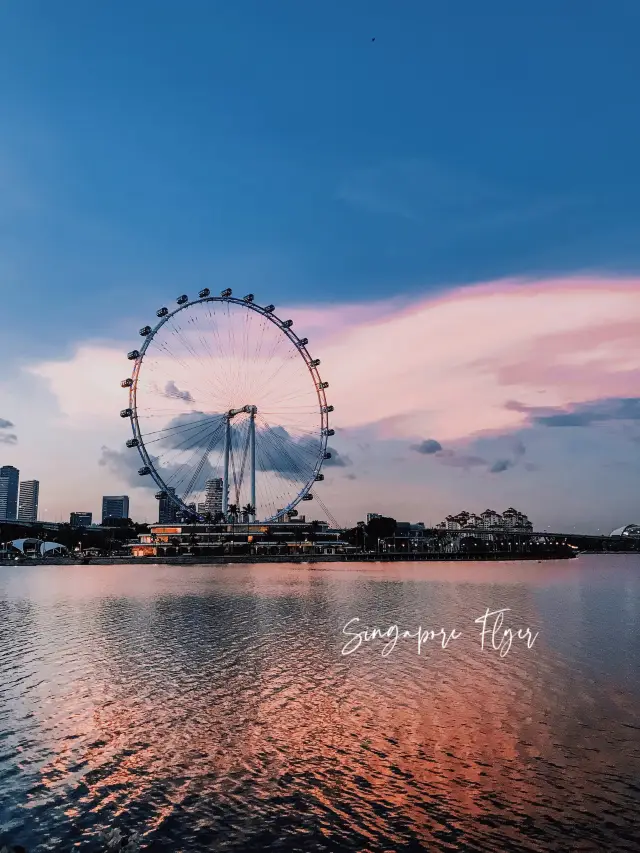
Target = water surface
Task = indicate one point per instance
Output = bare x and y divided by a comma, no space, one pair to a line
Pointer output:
210,707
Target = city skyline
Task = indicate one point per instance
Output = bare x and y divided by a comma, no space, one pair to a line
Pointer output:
471,285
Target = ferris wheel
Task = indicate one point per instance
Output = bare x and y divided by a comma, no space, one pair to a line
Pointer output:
228,410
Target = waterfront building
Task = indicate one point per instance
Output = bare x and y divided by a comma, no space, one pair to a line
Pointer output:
9,480
511,520
274,538
115,506
28,503
490,519
80,519
167,510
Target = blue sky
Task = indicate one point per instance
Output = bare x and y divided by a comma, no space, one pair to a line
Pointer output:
152,148
151,142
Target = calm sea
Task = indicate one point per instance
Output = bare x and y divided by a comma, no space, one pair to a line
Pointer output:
211,708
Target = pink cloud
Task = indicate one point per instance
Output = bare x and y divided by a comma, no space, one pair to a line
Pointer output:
448,366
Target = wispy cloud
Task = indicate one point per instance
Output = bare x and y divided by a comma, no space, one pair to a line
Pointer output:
171,390
427,447
468,461
461,460
582,414
7,437
427,193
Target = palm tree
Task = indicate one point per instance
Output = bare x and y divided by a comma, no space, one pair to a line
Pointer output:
249,510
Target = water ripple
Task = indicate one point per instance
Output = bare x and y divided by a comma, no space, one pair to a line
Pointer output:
210,708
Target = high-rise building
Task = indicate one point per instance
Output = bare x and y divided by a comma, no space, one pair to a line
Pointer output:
9,479
28,503
167,510
212,503
80,519
115,506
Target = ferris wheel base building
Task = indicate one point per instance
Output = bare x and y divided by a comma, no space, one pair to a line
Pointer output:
293,535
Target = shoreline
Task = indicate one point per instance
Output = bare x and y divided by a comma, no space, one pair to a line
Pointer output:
225,559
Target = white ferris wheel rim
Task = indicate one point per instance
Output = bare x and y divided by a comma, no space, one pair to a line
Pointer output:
284,327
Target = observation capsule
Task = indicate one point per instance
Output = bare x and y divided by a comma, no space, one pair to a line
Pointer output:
327,409
303,342
327,455
160,495
182,299
323,385
144,470
307,498
133,355
329,432
132,442
162,312
293,513
204,293
226,293
319,477
126,383
145,330
248,298
270,308
287,324
126,413
314,363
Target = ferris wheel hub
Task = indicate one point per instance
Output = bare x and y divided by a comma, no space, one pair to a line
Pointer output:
249,410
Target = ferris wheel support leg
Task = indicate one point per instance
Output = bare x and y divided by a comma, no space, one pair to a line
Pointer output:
225,479
252,448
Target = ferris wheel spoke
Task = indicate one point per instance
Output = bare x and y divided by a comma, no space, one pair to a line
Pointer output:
214,326
179,476
286,450
240,478
278,486
171,432
178,332
302,390
178,471
207,376
294,461
267,382
205,456
201,420
193,440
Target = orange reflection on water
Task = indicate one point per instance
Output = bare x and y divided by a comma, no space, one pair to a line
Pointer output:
242,705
